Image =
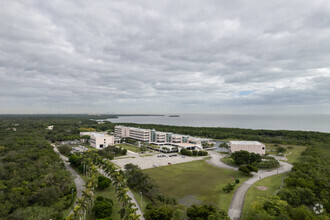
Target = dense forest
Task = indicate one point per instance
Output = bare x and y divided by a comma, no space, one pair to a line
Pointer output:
34,183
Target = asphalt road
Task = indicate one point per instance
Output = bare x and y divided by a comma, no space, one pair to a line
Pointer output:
76,177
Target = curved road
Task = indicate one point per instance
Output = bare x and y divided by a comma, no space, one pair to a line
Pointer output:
237,202
79,182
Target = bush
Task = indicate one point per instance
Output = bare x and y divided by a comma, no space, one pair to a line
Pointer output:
237,181
193,153
229,187
280,150
103,182
268,164
65,149
102,207
247,169
158,213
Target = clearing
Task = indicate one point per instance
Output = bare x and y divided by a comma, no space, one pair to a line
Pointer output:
196,182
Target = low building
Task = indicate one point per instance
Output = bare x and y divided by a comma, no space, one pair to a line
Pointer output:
250,146
100,141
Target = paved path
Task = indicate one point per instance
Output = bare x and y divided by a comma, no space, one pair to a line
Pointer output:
215,161
237,202
76,177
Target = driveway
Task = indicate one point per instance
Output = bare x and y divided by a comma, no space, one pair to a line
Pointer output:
215,161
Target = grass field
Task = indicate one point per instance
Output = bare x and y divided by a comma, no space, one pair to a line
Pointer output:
272,183
229,161
295,152
145,200
196,182
129,147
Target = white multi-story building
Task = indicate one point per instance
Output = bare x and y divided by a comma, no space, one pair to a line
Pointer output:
100,141
122,131
159,138
250,146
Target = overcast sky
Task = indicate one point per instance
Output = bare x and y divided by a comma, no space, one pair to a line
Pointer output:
165,56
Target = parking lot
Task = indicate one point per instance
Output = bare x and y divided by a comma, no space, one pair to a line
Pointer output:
155,160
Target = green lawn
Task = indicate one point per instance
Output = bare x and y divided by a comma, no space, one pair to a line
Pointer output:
295,152
195,182
129,147
89,147
145,200
272,183
229,161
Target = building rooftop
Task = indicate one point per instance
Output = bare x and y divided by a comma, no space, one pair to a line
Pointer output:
245,142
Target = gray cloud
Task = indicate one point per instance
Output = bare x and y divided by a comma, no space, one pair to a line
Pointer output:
171,56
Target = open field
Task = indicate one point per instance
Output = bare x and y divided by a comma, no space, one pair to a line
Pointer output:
129,147
196,182
271,184
293,156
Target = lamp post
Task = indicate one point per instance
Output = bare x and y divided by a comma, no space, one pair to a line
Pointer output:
141,200
72,193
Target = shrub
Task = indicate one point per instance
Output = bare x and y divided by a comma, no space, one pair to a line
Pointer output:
237,181
103,182
247,169
103,207
229,187
65,149
268,164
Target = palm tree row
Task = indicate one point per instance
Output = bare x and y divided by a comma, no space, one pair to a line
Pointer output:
128,210
86,202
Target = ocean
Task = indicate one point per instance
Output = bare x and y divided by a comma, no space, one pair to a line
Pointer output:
272,122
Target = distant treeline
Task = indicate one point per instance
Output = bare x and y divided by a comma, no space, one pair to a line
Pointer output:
267,136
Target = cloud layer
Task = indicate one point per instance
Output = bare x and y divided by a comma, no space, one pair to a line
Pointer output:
165,56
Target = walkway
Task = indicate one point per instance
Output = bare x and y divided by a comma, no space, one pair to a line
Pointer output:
215,160
237,202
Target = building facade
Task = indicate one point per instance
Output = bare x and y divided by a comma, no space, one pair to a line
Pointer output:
250,146
100,140
159,138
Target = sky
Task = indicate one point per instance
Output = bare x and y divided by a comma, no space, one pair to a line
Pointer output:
108,56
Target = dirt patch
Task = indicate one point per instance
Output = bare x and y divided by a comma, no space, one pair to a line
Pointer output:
263,188
189,200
